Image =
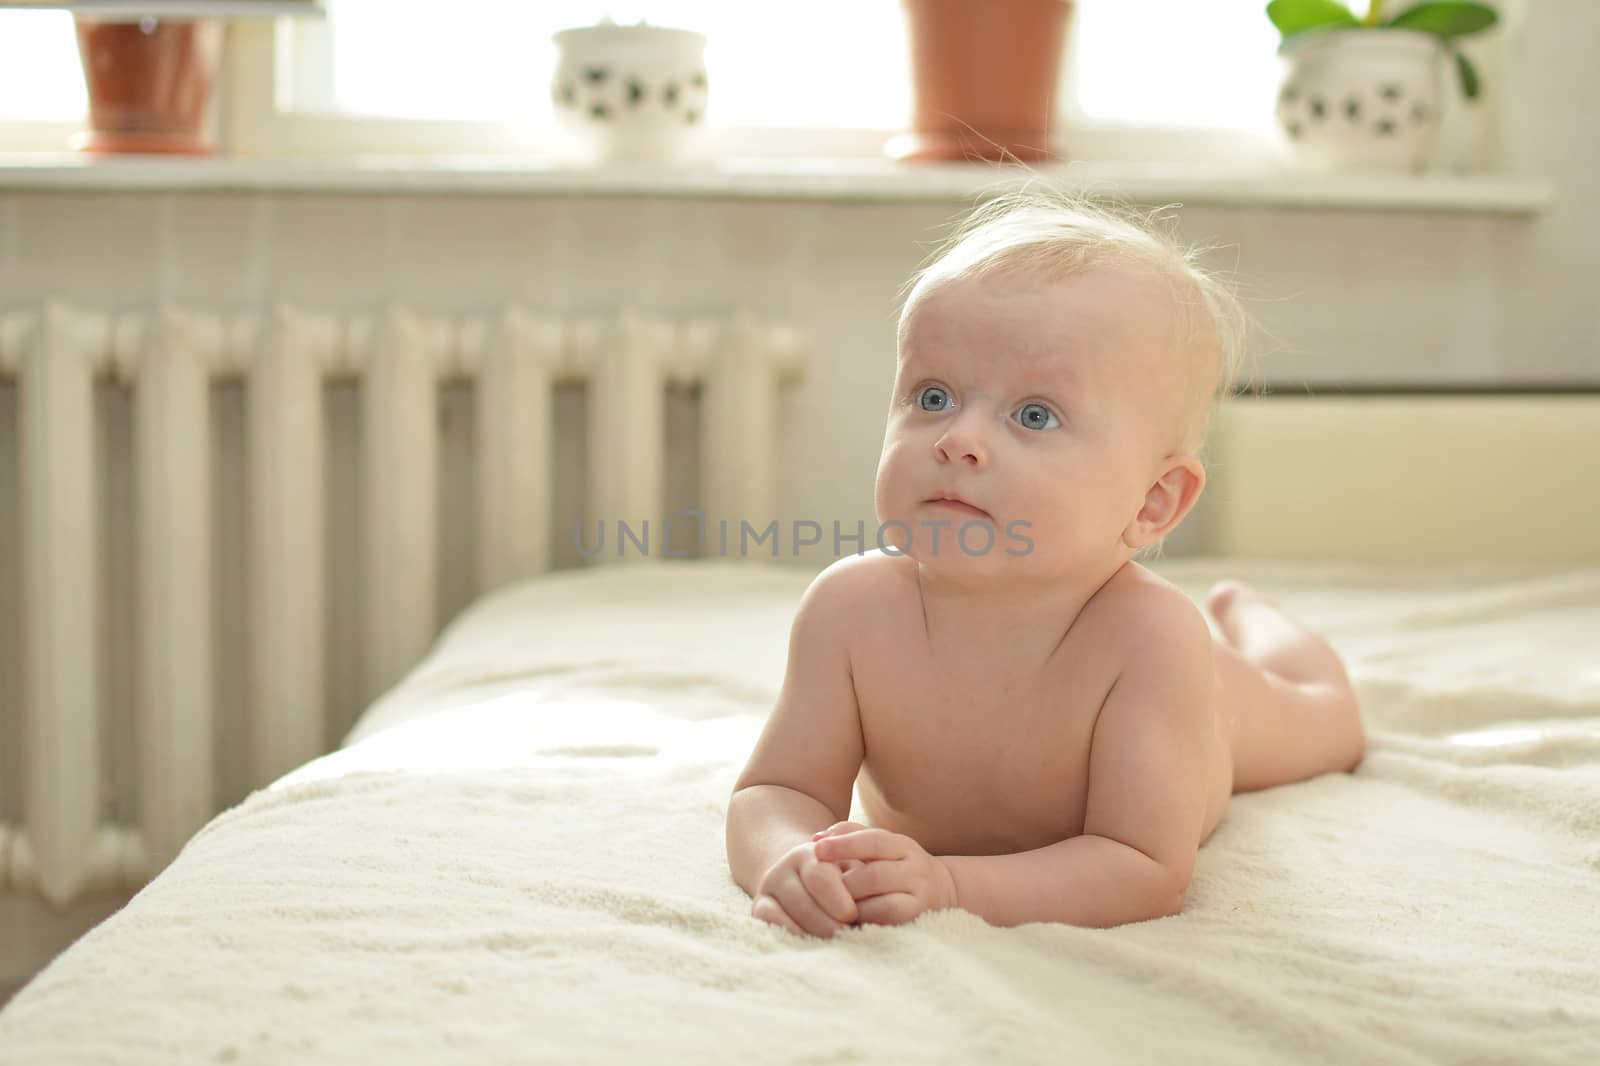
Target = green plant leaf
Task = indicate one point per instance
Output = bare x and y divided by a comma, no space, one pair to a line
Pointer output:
1469,76
1447,18
1297,16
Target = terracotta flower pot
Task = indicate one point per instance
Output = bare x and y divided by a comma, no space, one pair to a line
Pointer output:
149,83
984,78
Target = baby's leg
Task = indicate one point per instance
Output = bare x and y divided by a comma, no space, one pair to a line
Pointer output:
1292,710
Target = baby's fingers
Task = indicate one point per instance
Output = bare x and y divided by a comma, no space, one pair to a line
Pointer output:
768,910
836,828
799,904
825,882
891,908
800,915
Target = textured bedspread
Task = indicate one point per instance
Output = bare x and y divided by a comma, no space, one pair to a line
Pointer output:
519,856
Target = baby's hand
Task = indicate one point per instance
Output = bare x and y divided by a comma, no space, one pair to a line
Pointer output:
837,828
893,878
846,865
804,894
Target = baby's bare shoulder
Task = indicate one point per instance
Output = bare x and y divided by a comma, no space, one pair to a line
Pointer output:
854,575
1148,613
858,586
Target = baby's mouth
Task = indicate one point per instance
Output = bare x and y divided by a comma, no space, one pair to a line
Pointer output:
961,506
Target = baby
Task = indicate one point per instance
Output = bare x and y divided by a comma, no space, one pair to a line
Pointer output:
1042,730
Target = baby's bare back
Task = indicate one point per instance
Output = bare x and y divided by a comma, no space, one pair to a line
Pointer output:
973,754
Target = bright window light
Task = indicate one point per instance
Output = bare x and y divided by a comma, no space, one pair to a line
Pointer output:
40,76
1175,63
493,60
1144,62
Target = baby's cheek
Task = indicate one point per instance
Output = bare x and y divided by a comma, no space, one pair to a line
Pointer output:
886,490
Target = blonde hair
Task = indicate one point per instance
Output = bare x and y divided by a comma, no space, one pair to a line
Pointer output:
1050,234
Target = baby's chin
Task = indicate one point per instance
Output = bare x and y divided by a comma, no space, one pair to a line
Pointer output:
978,550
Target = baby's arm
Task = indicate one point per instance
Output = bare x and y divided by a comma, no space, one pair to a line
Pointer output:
800,776
1148,764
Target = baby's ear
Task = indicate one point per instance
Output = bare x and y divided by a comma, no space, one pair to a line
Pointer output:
1167,501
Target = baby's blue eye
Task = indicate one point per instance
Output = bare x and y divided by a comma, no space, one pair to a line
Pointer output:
933,398
1037,416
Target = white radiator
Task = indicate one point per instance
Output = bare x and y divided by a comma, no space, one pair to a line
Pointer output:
63,849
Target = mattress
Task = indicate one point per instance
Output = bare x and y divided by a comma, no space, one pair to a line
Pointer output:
518,856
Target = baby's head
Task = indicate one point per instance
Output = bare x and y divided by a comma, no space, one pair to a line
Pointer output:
1058,363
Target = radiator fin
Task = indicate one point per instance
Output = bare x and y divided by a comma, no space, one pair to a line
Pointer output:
201,543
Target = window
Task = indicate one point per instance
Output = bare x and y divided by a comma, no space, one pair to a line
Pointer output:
1142,79
1174,63
40,77
833,63
494,60
42,99
1135,82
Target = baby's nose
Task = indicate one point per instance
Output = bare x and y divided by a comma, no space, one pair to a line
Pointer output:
962,443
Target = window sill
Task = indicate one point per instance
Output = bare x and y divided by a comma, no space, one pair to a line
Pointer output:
828,180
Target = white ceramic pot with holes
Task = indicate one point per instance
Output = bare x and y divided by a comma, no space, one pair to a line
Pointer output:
631,93
1360,99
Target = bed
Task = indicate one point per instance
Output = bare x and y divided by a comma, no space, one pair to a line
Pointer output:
518,855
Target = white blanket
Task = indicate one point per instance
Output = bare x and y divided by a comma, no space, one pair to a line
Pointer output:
520,857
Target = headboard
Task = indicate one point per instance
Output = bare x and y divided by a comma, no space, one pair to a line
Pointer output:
1406,478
